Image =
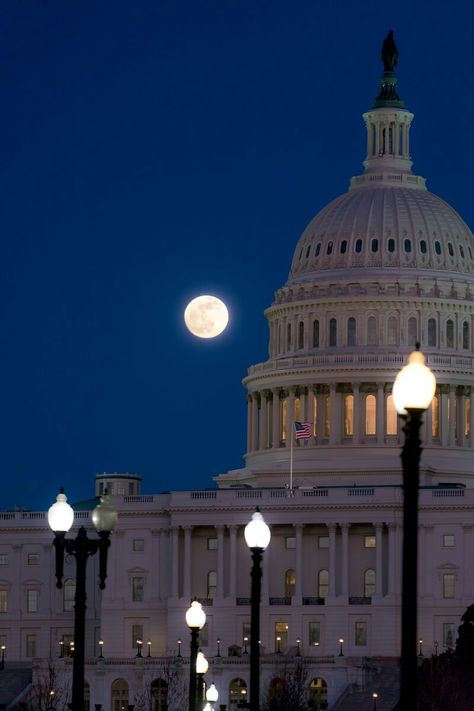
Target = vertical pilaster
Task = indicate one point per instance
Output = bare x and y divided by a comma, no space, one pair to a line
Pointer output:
175,562
332,559
378,559
254,422
249,423
443,418
187,563
345,559
232,561
299,561
380,414
452,416
263,420
275,418
220,562
392,558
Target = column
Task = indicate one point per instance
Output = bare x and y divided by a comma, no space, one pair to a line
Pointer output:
378,559
392,557
275,418
232,561
263,420
428,427
467,583
290,416
299,561
345,559
335,415
443,417
249,423
380,415
220,561
356,392
452,416
175,561
462,417
320,413
309,412
254,422
332,559
187,563
471,419
156,569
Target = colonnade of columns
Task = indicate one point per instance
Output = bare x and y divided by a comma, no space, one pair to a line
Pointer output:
272,412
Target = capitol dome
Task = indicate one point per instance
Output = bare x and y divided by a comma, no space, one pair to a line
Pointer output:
380,268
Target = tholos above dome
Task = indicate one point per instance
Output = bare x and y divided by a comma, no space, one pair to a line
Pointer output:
384,227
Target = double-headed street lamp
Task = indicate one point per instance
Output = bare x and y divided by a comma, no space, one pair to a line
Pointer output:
60,519
257,537
195,620
413,392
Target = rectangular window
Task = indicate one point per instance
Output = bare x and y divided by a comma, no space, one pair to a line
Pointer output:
360,630
138,589
281,637
323,541
3,558
31,645
448,634
33,559
212,544
3,601
448,540
68,645
204,636
32,601
246,632
137,633
138,544
448,585
370,541
290,542
314,634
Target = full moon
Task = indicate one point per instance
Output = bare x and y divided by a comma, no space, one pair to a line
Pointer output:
206,316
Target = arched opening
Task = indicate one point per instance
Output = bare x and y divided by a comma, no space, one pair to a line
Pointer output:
332,332
119,695
450,334
290,583
371,331
412,331
369,582
211,584
392,331
392,417
301,335
370,414
316,334
351,331
432,332
159,695
237,693
348,415
465,335
288,337
318,694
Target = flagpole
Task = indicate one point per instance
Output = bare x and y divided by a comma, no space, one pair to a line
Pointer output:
291,460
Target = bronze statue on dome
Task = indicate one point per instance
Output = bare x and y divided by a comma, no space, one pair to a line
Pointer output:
389,52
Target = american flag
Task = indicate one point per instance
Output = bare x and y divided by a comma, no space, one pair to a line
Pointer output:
303,430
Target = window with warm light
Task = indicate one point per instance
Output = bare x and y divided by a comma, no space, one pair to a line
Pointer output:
281,631
392,417
323,583
467,417
314,634
348,415
370,541
283,420
369,582
315,414
298,416
290,583
435,416
370,414
327,416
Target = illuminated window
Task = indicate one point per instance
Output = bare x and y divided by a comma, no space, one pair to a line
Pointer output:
371,331
283,421
370,414
69,593
392,418
465,335
450,334
448,585
237,693
431,332
370,542
119,695
333,332
318,694
412,331
138,544
31,645
327,416
323,583
369,582
290,583
281,632
301,335
212,544
211,584
360,634
351,332
448,540
138,589
316,334
32,600
297,414
435,416
314,634
290,542
348,415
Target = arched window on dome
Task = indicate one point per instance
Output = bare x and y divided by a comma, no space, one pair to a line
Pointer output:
407,245
211,584
412,331
316,333
438,247
432,332
317,250
290,583
301,335
351,331
358,246
392,331
329,248
343,247
435,417
423,247
308,250
392,418
450,333
369,582
374,245
461,251
465,335
323,583
333,332
371,331
391,245
348,415
450,249
288,337
283,420
370,414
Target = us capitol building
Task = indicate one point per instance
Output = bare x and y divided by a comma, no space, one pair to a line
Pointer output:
382,266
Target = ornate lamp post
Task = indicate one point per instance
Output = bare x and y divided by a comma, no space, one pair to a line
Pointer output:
195,620
341,649
148,644
101,648
202,666
375,696
257,537
2,660
212,695
60,519
413,392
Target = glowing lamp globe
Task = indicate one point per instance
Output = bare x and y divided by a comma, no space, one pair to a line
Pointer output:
104,516
207,707
414,386
257,534
202,665
195,616
60,514
212,694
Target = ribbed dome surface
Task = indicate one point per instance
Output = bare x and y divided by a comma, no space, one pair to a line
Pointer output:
405,227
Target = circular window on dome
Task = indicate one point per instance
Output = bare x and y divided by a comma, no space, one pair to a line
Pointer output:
318,249
374,245
450,249
391,245
438,247
329,248
407,245
343,247
423,248
358,246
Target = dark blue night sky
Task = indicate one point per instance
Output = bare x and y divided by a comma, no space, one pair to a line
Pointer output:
155,150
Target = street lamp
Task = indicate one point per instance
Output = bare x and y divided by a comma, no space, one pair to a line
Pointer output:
341,642
101,648
246,639
148,644
278,640
413,392
2,660
60,519
257,537
195,620
139,647
212,695
218,647
435,644
179,648
202,666
375,696
298,642
420,647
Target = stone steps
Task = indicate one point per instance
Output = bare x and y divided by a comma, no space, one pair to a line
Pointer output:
385,682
